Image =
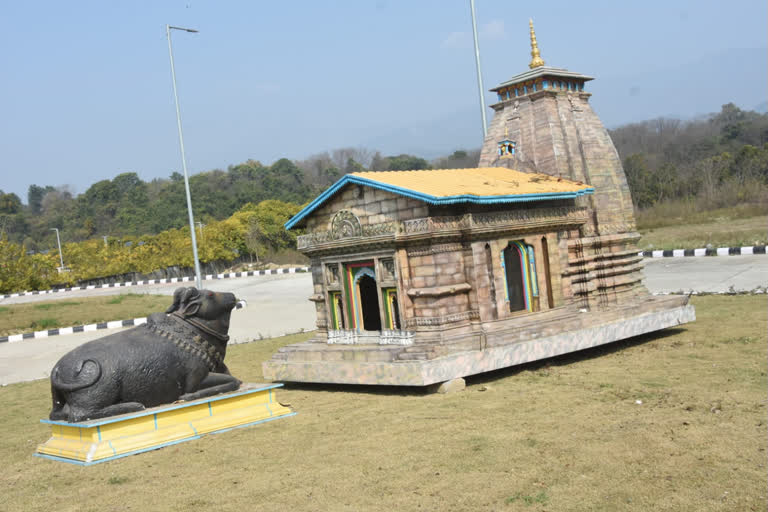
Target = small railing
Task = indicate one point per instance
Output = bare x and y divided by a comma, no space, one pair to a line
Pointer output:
385,337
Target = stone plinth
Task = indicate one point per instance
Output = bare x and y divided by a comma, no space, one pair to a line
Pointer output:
501,344
91,442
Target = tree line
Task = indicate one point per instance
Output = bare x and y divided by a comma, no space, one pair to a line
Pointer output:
128,225
720,160
127,206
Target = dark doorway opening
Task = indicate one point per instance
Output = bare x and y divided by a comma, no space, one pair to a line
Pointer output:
514,273
369,303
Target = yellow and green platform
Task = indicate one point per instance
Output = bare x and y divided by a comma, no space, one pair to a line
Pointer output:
94,441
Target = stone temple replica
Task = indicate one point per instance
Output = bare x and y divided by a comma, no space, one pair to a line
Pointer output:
422,277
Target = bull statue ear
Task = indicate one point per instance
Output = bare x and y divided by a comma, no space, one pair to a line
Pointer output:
190,301
176,300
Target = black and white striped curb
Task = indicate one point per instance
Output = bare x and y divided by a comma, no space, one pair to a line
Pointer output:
185,279
714,251
115,324
756,291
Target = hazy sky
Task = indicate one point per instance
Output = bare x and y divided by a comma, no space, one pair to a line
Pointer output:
86,87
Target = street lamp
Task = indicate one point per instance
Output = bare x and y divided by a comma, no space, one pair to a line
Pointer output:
479,74
198,280
58,242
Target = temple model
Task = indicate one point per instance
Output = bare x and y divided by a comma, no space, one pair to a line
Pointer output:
421,277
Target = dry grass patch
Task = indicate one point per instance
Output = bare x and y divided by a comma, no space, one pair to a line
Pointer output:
565,434
720,232
36,316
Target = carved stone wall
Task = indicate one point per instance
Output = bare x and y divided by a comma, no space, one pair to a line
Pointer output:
603,271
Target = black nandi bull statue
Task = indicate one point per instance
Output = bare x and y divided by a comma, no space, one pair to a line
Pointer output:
174,356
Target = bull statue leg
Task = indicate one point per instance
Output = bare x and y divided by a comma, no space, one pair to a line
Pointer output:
213,384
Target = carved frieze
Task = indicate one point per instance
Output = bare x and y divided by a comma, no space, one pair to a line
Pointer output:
434,249
384,228
387,269
431,321
345,224
332,274
439,291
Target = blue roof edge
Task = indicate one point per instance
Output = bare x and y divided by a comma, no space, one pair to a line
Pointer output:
464,198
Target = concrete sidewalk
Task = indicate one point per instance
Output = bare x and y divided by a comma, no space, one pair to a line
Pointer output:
276,307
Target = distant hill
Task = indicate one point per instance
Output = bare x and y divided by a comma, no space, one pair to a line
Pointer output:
684,91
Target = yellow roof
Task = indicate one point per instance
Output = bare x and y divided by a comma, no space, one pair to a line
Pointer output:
483,185
481,182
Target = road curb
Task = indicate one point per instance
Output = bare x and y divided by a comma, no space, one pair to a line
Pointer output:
114,324
711,251
756,291
185,279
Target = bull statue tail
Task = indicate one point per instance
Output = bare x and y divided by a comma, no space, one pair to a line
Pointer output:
85,375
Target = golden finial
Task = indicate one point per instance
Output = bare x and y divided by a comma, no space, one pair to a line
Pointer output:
536,61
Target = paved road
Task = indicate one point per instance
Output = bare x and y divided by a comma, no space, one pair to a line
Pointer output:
278,305
707,274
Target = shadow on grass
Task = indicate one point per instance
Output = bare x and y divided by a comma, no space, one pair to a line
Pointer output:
574,357
370,389
487,377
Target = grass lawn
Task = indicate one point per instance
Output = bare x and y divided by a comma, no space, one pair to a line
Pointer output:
37,316
674,421
720,232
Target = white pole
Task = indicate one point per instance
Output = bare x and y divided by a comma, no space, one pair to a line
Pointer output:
480,88
58,242
198,280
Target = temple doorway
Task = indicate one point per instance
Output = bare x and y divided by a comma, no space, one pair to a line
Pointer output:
369,303
514,273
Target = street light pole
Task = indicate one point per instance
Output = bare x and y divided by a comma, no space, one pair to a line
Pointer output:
198,280
58,242
479,74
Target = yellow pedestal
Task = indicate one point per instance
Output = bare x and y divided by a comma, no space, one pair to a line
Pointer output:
94,441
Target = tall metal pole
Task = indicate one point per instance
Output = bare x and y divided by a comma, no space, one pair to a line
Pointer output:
198,279
480,88
58,242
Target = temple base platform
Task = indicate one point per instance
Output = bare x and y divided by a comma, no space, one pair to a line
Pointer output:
478,348
100,440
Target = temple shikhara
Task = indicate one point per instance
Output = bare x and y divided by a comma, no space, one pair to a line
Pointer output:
422,277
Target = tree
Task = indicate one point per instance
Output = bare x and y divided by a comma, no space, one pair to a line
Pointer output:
459,159
406,163
9,203
35,196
